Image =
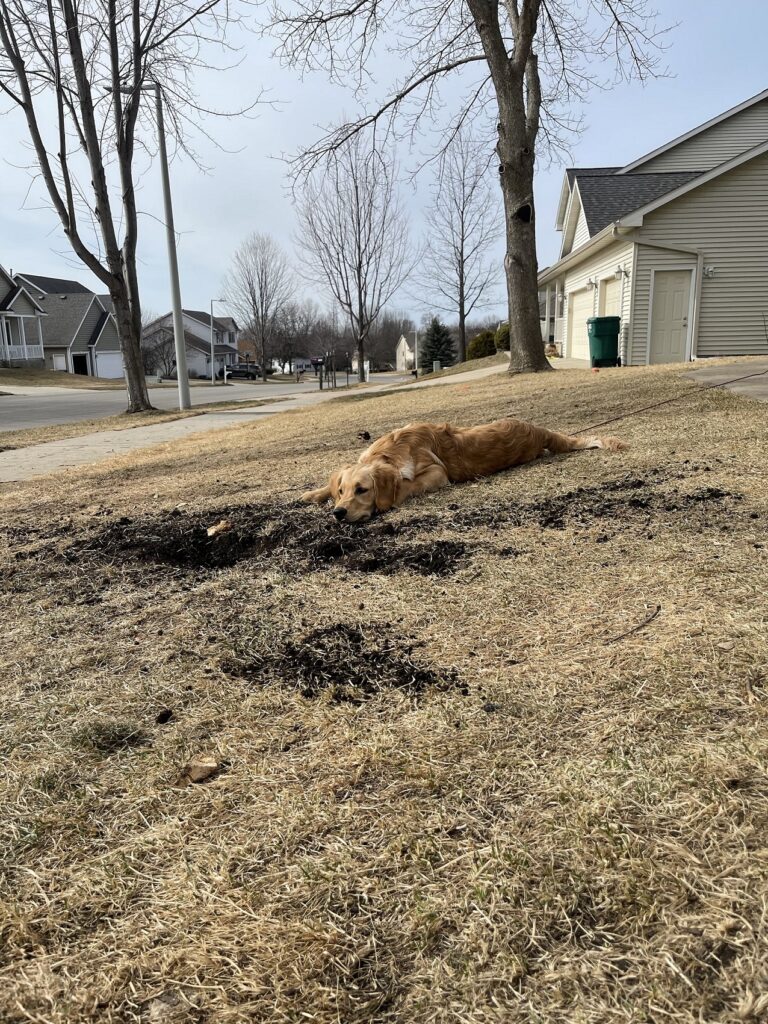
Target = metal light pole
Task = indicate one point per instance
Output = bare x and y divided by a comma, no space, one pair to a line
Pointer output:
173,265
213,347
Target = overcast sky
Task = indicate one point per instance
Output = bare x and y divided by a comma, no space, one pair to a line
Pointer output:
717,56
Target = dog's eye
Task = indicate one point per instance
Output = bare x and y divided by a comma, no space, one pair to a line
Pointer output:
361,490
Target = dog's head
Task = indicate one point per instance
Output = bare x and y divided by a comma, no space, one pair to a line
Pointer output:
359,491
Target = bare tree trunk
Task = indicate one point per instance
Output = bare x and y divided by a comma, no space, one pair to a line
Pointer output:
461,349
130,347
526,351
361,357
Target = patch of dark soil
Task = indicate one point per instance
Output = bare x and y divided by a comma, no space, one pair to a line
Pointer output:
624,501
344,660
283,536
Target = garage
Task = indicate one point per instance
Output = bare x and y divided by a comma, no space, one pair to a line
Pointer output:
580,306
610,298
109,364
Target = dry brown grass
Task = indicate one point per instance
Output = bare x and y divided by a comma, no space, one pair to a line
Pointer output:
55,378
545,824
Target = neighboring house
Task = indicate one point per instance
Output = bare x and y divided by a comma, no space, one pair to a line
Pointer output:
79,330
21,318
197,337
405,355
675,243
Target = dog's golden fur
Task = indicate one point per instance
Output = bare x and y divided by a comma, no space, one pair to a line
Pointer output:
424,457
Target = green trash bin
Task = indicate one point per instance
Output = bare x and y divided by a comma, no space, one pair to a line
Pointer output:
603,334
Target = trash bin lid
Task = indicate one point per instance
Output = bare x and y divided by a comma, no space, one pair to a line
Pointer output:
603,319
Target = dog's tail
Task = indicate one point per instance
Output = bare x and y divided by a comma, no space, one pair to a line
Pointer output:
557,443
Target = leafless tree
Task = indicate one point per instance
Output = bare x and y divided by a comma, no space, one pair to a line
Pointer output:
458,268
259,285
528,63
87,64
158,351
294,330
353,234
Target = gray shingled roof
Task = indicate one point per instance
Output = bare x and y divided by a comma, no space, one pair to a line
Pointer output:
64,317
574,172
56,284
606,198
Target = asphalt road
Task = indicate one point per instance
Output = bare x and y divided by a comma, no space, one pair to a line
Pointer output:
29,407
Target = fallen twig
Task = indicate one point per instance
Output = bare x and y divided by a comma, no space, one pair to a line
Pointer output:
637,628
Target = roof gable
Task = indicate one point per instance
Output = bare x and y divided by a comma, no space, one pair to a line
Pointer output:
608,198
706,126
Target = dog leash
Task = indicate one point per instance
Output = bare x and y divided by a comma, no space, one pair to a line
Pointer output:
667,401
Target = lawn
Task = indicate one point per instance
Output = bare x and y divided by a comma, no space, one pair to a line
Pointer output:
499,756
55,378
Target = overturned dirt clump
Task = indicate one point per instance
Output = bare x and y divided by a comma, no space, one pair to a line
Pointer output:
626,501
346,662
281,536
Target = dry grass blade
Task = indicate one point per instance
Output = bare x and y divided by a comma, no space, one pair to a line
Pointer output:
446,799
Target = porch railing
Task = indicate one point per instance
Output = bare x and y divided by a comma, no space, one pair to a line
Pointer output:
19,352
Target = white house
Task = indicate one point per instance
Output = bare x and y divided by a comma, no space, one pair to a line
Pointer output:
405,354
77,327
21,319
197,336
675,243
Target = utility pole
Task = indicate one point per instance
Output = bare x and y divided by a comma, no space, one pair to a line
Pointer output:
416,350
173,265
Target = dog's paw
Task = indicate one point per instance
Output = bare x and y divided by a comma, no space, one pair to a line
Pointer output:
308,497
613,444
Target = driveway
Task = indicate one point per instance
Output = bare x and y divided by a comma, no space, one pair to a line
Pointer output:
752,387
25,407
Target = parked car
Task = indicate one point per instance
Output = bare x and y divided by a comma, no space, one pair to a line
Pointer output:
246,371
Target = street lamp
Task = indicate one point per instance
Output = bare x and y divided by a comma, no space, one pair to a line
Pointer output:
213,348
173,265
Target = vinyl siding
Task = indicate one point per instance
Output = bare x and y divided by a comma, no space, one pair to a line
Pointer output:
83,336
716,145
728,220
108,340
602,265
581,234
23,306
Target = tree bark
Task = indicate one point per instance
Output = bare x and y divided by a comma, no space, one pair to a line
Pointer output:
130,346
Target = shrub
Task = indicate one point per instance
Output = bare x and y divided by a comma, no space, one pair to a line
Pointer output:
502,338
482,345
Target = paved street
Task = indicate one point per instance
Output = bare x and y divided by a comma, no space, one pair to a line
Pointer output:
27,407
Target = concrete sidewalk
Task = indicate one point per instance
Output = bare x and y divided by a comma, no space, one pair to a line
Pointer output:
753,387
54,456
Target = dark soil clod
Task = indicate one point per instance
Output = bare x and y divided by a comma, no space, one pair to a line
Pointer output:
345,661
284,536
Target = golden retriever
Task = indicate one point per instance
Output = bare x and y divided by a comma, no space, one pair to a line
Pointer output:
423,457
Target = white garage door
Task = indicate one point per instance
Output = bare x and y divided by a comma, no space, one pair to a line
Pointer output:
579,310
109,364
611,298
59,361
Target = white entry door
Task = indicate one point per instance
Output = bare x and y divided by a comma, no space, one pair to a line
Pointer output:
580,305
670,316
59,361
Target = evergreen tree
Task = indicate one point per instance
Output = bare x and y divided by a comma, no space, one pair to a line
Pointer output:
437,344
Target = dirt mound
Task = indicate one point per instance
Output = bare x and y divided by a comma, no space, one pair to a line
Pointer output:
626,501
345,661
283,536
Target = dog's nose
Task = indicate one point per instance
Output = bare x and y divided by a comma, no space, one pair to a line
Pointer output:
340,513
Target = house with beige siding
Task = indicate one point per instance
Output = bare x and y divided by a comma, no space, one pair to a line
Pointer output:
675,243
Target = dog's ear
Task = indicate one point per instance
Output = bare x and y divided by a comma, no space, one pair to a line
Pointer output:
334,483
386,482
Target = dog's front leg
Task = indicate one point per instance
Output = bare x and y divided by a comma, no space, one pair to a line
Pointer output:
318,497
431,479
